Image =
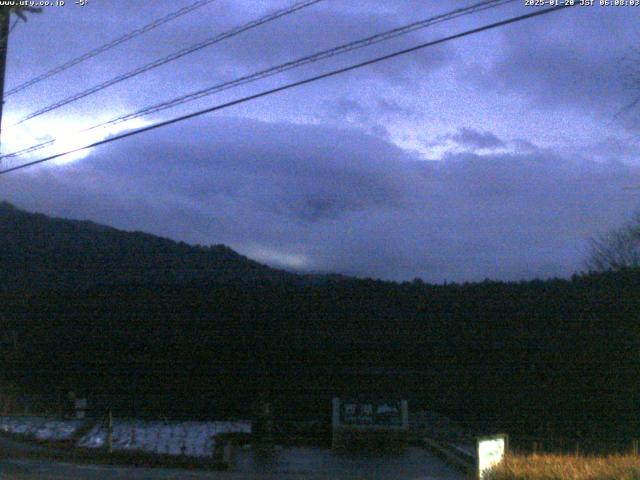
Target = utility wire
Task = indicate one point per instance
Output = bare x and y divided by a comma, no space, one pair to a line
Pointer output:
292,85
171,57
396,32
107,46
348,47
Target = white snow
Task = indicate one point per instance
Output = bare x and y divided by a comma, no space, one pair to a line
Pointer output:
194,439
40,428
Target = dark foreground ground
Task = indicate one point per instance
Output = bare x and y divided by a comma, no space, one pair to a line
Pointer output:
286,463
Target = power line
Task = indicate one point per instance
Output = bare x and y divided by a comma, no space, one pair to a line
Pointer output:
292,85
171,57
341,49
374,39
107,46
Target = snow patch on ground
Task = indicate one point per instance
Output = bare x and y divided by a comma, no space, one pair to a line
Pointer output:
193,439
40,428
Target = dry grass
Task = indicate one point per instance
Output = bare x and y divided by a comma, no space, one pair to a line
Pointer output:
568,467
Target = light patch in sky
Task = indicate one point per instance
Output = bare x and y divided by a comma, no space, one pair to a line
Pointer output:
67,135
278,258
440,150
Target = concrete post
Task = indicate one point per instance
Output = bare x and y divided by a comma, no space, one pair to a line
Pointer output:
227,453
110,432
404,405
335,421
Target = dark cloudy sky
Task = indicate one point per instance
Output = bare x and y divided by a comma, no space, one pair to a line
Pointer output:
498,155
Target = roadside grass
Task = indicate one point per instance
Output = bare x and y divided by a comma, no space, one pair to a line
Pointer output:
567,467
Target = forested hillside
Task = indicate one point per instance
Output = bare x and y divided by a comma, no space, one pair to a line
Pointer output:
42,253
563,352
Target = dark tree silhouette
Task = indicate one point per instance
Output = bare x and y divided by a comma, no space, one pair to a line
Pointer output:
617,249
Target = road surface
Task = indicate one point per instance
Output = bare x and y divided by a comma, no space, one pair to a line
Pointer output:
279,463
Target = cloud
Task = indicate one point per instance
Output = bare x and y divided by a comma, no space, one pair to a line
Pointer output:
315,198
545,63
615,149
529,166
468,137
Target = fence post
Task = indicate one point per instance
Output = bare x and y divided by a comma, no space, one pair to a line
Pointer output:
227,453
110,433
634,447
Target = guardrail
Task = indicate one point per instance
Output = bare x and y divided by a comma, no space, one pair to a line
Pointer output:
454,455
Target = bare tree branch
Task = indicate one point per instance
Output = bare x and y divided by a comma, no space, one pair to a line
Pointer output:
617,249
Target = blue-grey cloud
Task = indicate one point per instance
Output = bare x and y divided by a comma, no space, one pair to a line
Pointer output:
572,60
325,199
322,177
468,137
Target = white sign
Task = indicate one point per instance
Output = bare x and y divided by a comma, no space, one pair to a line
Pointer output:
491,451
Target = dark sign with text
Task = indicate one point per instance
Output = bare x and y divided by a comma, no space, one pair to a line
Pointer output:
372,413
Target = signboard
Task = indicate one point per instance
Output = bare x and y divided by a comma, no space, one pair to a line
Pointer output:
364,422
371,413
491,452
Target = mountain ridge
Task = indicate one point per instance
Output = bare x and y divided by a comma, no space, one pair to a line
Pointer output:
41,253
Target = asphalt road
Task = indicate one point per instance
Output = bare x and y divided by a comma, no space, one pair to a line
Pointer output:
281,464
